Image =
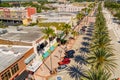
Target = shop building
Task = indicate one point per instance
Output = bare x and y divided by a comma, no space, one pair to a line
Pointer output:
13,14
12,61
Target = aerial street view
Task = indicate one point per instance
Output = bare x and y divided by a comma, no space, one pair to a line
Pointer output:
59,39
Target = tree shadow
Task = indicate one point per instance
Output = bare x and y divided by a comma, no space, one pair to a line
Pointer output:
90,27
89,34
76,72
89,31
87,38
86,44
80,59
84,50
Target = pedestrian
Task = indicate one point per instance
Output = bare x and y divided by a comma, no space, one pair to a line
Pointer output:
76,49
60,51
65,49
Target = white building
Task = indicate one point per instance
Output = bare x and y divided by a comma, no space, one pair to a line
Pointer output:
66,7
66,17
69,8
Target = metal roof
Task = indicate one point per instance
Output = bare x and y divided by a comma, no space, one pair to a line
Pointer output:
27,34
9,55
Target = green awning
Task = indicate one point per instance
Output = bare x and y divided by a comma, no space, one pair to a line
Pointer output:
52,48
46,54
30,58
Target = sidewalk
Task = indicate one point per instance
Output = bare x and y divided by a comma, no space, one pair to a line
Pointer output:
43,73
77,45
114,31
51,62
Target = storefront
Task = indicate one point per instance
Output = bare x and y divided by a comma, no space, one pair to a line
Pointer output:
49,51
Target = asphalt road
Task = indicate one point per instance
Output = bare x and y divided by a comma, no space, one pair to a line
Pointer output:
114,31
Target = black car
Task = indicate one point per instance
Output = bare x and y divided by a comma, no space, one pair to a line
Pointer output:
70,54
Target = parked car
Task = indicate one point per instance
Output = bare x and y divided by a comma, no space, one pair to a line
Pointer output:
70,54
61,67
64,61
59,78
84,27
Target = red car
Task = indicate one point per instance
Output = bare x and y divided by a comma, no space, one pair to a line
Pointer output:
64,61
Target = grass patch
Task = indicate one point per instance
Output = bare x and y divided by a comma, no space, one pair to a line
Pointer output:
49,24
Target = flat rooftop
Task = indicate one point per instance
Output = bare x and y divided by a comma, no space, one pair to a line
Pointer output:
26,34
56,14
9,55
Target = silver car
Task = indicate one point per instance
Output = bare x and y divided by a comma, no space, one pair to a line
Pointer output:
61,67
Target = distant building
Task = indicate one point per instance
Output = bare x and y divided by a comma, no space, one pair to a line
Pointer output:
58,17
16,13
19,14
69,8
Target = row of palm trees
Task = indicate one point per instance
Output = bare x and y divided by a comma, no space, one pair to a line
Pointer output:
85,11
101,58
50,32
101,48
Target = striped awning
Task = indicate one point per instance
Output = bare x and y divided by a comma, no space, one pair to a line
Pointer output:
30,58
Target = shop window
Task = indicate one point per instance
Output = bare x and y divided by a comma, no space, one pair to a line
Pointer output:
14,69
6,75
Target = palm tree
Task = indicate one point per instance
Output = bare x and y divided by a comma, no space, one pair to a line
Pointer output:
74,33
2,25
80,16
49,32
92,5
98,75
101,50
66,29
84,10
102,59
101,42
